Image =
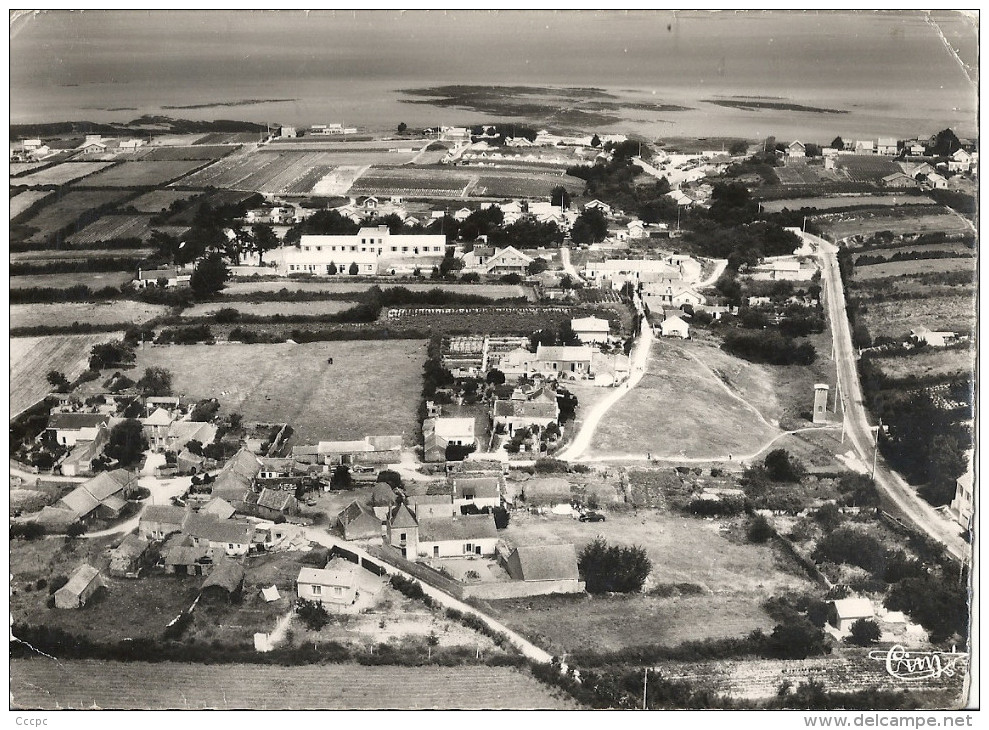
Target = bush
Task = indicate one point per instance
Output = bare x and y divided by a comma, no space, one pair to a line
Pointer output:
769,347
759,530
612,568
781,467
57,582
312,613
76,529
797,639
391,478
26,530
178,627
864,632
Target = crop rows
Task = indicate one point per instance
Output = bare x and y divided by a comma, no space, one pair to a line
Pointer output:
61,174
192,152
142,173
22,201
112,228
273,173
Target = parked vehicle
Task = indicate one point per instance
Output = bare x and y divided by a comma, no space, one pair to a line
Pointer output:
591,517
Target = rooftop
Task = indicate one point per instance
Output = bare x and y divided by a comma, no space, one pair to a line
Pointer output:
467,527
75,421
338,572
548,562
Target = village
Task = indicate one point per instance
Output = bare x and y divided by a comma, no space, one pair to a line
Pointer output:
429,387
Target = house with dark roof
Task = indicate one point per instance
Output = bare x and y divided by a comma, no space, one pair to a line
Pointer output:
128,558
457,537
356,522
236,477
403,531
219,508
554,565
158,521
68,429
102,497
224,582
83,583
179,555
231,537
274,502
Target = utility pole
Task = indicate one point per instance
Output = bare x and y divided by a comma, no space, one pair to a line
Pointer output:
875,453
645,685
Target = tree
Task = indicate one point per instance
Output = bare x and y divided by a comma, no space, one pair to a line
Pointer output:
945,143
58,381
165,245
495,377
591,226
759,530
354,269
613,568
263,239
126,442
331,269
194,446
537,266
110,354
402,126
595,141
864,632
797,639
156,381
391,478
210,276
560,196
501,517
567,402
341,478
739,147
838,143
76,529
781,467
312,613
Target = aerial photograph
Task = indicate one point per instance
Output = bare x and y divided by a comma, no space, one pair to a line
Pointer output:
494,360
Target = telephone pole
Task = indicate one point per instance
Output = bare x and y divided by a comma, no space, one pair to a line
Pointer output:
645,685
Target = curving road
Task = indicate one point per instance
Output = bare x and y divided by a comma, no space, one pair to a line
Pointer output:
899,497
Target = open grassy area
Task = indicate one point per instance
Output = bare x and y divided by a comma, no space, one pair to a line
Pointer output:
142,173
31,358
896,318
67,209
61,174
844,201
267,309
919,266
372,388
681,408
43,684
244,287
899,221
121,312
734,580
22,201
94,280
929,363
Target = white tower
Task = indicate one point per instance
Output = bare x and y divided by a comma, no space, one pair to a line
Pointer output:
820,403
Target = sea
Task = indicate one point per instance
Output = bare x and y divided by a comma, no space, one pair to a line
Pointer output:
892,73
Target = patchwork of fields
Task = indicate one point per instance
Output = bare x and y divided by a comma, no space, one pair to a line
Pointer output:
121,312
112,228
415,182
142,173
67,209
896,318
843,201
277,173
372,388
94,280
22,201
55,255
898,221
61,174
268,309
31,358
245,287
157,201
918,266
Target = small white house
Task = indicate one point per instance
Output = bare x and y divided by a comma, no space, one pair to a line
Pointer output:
336,584
675,327
850,610
591,330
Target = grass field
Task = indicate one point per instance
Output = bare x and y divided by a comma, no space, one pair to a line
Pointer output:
285,173
111,228
157,201
928,363
734,578
372,387
54,255
867,168
44,684
142,173
96,280
120,311
67,209
61,174
919,266
898,220
957,247
797,173
680,408
415,182
20,168
22,201
192,152
523,185
896,318
31,358
844,201
243,287
267,309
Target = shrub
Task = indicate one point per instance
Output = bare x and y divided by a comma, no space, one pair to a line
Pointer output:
864,632
797,639
312,613
613,568
391,478
781,467
759,530
75,529
26,530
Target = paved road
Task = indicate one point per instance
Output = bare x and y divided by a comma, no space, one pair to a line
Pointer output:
637,365
568,267
899,497
321,536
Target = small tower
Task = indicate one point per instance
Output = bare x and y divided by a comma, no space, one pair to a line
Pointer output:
820,403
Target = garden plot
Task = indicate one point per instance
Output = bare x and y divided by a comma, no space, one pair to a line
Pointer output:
276,173
142,173
867,168
22,201
112,228
121,312
928,363
245,287
918,266
522,185
61,174
191,152
82,254
372,387
94,280
158,201
898,221
844,201
269,309
19,168
67,209
415,182
956,313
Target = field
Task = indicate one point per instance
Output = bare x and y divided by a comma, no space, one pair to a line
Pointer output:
372,387
31,358
415,182
844,201
120,311
61,174
141,173
244,287
523,185
68,209
22,201
56,255
867,168
797,173
214,138
681,409
899,221
267,309
928,363
896,318
734,579
279,173
918,266
44,684
96,280
957,247
192,152
159,200
19,168
112,228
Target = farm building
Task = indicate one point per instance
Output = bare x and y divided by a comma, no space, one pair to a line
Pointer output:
127,559
886,146
438,433
274,502
79,461
231,537
674,326
545,491
237,476
514,414
426,506
937,181
181,433
369,450
403,531
849,610
617,272
591,330
83,583
508,260
784,268
382,495
102,497
159,521
219,508
598,205
457,536
167,278
931,338
336,584
796,149
669,293
180,556
573,361
480,492
155,428
962,505
68,429
357,523
554,565
370,251
899,180
224,582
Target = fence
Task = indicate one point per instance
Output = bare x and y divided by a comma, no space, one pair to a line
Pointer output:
809,566
521,589
424,311
427,575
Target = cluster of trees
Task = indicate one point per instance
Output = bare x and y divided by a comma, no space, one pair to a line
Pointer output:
613,568
769,347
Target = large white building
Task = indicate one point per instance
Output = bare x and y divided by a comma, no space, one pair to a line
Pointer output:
370,251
